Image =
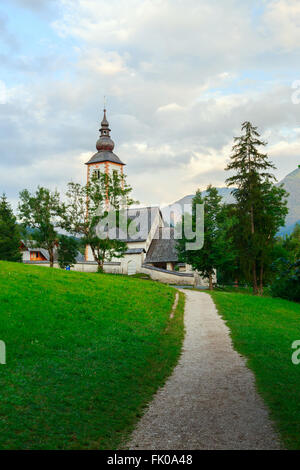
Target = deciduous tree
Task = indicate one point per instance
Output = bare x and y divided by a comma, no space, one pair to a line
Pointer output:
89,206
43,212
216,251
67,251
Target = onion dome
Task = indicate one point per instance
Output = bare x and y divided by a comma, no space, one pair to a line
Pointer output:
105,143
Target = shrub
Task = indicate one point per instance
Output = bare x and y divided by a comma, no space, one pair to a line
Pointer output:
287,282
67,251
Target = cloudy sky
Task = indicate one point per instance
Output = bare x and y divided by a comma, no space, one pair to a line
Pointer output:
180,77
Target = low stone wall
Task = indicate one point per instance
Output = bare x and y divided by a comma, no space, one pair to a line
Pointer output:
169,277
162,275
91,267
84,267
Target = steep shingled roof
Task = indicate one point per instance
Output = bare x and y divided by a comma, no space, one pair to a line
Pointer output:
163,247
105,156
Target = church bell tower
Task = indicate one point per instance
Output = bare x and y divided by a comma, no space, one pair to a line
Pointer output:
104,160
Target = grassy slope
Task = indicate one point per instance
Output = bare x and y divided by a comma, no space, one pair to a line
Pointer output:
85,353
263,330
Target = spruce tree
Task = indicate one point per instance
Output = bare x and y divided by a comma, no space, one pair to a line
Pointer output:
261,206
9,233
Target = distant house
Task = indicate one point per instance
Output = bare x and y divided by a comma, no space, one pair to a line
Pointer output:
30,253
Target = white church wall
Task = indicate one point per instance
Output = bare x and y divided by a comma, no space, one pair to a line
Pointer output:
141,245
130,245
123,262
138,260
113,167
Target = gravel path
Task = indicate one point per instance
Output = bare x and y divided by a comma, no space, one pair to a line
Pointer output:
210,401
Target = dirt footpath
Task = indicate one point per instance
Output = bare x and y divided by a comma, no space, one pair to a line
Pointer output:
210,401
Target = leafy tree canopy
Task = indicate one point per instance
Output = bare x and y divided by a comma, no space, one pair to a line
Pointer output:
87,208
43,212
67,251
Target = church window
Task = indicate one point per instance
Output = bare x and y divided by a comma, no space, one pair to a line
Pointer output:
97,174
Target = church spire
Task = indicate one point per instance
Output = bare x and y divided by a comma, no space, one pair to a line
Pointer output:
105,146
104,122
105,143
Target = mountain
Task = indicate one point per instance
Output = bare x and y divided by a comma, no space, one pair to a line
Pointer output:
291,184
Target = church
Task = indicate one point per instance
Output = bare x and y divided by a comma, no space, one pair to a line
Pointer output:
153,251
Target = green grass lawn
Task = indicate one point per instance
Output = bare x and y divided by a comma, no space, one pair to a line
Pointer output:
263,330
85,353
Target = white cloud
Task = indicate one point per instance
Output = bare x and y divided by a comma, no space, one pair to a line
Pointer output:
170,108
4,93
7,94
282,17
180,77
100,62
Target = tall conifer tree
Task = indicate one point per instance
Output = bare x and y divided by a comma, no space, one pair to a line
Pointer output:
261,206
9,233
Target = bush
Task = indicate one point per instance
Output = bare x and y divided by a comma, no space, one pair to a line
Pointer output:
287,282
67,251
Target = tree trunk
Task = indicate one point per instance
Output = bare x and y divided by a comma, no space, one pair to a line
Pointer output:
99,260
100,266
51,258
254,275
211,287
261,284
94,254
252,221
254,279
